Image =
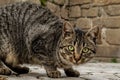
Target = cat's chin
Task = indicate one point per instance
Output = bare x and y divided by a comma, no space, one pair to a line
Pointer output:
77,64
82,61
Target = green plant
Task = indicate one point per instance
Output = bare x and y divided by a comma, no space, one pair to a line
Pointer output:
43,2
114,60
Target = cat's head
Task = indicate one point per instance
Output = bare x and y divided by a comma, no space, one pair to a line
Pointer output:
76,46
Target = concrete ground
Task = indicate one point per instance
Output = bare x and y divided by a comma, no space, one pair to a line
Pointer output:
89,71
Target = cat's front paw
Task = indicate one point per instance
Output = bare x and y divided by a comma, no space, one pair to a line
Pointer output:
25,70
54,74
72,73
21,70
5,71
3,78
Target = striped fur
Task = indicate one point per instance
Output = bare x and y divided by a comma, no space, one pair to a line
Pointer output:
32,34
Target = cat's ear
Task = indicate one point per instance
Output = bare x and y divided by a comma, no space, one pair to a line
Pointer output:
68,30
94,32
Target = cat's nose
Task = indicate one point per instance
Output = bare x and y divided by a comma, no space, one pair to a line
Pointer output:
77,57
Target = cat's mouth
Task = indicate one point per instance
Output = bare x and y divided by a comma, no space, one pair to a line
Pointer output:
83,60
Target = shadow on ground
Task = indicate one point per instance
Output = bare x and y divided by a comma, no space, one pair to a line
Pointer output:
89,71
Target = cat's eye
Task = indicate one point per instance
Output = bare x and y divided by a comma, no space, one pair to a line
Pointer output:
70,48
85,50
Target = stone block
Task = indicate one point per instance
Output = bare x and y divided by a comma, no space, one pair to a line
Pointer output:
57,13
85,6
74,2
108,51
64,13
4,2
105,2
75,11
60,2
97,22
113,36
34,1
83,23
112,10
105,59
109,22
100,2
54,8
91,12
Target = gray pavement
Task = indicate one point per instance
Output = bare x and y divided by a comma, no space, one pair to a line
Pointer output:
89,71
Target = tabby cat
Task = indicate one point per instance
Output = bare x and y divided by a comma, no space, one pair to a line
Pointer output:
31,34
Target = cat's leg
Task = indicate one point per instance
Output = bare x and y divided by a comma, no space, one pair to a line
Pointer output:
52,72
71,72
9,56
19,69
4,70
11,61
3,78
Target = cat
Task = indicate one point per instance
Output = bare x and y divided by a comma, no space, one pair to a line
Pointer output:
32,34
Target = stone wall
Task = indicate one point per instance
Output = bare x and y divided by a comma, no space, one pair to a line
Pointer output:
88,13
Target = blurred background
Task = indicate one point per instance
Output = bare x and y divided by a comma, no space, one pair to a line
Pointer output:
86,14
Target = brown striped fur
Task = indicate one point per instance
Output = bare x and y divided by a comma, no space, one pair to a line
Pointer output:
31,34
